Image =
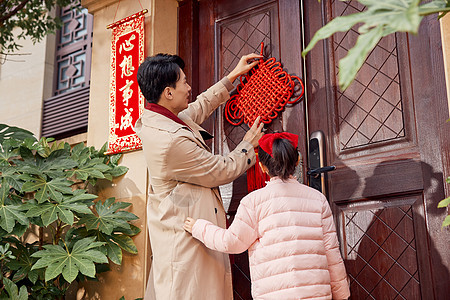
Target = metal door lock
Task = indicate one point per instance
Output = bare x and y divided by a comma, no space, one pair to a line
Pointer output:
316,172
316,162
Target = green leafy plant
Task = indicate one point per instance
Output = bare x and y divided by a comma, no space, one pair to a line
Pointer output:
44,189
20,19
379,19
445,203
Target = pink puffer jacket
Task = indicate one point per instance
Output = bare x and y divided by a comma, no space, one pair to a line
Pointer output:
291,239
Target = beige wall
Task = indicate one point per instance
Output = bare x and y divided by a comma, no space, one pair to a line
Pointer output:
25,82
445,32
130,279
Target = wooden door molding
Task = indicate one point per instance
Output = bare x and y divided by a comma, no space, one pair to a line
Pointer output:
408,161
391,165
230,29
188,44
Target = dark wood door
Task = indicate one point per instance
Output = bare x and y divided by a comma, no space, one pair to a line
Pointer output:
228,30
385,134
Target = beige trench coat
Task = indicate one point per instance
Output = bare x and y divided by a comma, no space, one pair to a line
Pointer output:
184,182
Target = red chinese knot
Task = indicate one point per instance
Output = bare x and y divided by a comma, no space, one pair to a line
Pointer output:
264,92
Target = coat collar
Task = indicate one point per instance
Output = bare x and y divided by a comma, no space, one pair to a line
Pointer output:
157,120
277,180
164,111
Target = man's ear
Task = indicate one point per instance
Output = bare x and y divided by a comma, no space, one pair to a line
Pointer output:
167,92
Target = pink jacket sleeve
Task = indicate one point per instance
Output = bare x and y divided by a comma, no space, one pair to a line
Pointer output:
338,275
236,239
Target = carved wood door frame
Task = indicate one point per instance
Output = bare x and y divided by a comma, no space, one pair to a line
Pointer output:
386,134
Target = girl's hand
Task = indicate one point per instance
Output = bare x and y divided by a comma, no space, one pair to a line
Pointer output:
188,224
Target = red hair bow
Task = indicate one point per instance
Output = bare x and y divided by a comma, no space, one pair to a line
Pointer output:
267,140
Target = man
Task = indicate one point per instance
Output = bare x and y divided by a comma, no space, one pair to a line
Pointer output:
184,178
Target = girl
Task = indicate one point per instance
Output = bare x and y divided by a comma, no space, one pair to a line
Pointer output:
287,228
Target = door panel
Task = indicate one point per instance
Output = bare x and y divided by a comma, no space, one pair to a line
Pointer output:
380,189
239,29
384,134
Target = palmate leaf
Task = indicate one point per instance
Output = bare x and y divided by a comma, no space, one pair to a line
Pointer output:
9,213
64,210
446,221
352,62
6,153
69,262
93,168
107,218
444,203
22,265
13,290
12,132
52,166
381,18
18,230
115,243
12,177
52,189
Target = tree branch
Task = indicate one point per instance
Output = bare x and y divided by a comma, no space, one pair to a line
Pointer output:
14,11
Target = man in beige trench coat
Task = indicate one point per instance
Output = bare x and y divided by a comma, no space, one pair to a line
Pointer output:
184,178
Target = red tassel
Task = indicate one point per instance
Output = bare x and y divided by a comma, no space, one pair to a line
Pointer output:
256,178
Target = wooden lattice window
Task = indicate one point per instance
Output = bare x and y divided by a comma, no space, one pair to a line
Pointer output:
66,112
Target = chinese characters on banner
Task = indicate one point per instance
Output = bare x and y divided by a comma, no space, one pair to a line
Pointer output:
126,102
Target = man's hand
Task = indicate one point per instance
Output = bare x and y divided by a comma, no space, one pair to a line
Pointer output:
254,133
244,65
188,224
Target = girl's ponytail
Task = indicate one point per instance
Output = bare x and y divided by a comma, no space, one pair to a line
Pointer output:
284,160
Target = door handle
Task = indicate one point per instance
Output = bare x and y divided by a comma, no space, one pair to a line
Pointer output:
316,162
318,171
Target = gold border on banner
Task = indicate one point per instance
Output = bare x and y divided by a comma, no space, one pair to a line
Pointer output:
130,142
136,15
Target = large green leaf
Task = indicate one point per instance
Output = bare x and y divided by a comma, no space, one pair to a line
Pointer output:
125,242
115,243
9,213
118,171
13,290
93,168
436,6
64,210
24,262
350,64
107,218
52,166
69,262
6,153
12,177
12,132
444,203
381,18
52,189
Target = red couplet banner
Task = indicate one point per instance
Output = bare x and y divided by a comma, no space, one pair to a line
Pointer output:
126,101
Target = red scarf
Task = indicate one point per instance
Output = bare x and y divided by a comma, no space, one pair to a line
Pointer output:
165,112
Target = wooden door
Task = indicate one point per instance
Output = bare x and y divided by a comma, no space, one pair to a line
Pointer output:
385,134
227,30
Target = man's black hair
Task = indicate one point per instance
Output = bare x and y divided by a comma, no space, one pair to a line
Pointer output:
158,72
284,160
